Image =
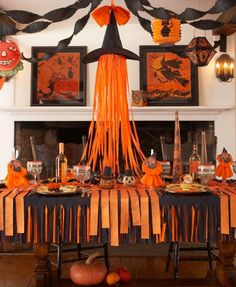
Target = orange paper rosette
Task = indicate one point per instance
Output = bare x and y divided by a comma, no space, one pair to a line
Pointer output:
152,175
16,178
224,169
102,15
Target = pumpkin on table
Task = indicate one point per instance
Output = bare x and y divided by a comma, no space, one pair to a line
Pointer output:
92,272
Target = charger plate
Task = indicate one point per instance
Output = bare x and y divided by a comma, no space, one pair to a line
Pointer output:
186,188
63,190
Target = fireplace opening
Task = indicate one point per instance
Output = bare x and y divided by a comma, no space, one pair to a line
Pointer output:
50,133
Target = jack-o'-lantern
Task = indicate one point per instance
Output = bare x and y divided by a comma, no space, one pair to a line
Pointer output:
129,179
9,56
107,181
66,87
10,59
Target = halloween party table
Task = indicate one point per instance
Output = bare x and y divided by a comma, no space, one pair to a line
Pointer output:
117,216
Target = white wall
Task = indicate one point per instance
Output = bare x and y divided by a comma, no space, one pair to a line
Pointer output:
16,92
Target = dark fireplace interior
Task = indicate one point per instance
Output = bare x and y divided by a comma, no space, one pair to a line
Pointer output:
49,134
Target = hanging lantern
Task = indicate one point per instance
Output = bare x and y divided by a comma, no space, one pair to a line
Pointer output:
224,68
166,31
200,51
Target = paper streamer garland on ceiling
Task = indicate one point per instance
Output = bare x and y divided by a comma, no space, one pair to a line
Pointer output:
35,23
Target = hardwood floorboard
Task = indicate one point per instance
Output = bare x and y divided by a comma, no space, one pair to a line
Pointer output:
152,283
147,271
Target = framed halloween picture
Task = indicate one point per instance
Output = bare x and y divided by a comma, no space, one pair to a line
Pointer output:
60,80
167,76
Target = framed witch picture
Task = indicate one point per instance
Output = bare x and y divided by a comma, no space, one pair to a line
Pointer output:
60,80
167,76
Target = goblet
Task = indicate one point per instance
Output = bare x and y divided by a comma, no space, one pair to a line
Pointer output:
82,173
34,168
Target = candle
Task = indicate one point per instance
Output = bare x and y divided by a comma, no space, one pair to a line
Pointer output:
231,69
217,68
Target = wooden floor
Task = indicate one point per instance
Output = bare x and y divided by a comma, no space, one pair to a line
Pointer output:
152,283
146,265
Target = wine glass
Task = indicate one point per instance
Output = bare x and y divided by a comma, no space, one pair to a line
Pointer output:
82,173
35,168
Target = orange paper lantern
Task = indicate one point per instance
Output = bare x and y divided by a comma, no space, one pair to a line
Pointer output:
166,31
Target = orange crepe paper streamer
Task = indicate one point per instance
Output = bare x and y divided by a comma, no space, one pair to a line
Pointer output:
112,133
78,224
2,195
124,211
94,212
102,15
29,224
156,214
20,222
16,178
135,209
151,177
46,231
35,226
9,213
224,168
233,211
224,214
105,208
114,217
144,214
232,197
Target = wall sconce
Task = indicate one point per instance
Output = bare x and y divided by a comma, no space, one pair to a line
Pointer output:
224,68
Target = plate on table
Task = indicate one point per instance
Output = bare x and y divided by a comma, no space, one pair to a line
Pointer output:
62,190
186,188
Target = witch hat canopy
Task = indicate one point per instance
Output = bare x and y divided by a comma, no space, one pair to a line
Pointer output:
111,44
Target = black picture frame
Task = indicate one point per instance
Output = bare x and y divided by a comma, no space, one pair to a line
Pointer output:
60,80
168,76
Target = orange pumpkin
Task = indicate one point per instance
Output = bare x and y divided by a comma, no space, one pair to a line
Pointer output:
112,278
9,56
92,272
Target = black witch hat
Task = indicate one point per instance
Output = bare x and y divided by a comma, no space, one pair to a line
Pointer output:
111,44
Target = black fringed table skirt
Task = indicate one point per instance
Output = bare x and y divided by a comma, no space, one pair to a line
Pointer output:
116,216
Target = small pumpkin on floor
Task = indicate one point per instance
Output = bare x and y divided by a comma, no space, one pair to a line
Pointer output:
92,272
124,274
112,278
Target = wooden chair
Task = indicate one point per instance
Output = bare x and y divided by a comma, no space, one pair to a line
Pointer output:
175,249
47,153
81,253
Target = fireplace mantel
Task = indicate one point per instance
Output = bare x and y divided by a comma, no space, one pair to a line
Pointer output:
223,117
65,113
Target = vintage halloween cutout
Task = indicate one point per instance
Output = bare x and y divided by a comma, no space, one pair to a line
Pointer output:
10,60
59,80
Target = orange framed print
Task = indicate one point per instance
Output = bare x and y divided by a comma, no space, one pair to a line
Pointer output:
168,76
60,80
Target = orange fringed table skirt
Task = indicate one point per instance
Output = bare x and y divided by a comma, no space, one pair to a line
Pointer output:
117,216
